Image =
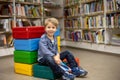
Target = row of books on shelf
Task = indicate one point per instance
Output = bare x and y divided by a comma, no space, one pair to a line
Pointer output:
6,9
7,24
92,7
24,10
112,21
93,22
111,5
72,23
72,11
73,35
84,9
85,23
21,10
26,22
6,40
90,36
28,10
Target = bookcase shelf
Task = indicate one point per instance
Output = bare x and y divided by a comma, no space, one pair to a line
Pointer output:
27,13
5,1
25,17
112,12
53,16
93,13
113,49
28,3
27,7
97,22
87,1
6,16
52,6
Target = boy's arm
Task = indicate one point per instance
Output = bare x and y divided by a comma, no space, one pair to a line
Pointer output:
44,49
57,58
47,52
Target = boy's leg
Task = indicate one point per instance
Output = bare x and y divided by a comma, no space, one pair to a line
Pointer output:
76,70
49,61
70,58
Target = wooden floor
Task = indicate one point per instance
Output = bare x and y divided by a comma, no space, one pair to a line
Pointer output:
99,65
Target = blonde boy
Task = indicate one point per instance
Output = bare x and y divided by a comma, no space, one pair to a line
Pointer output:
48,53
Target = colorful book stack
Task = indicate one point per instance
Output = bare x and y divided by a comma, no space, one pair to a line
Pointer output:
26,41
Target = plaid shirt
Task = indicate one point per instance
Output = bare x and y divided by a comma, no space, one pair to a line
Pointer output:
46,47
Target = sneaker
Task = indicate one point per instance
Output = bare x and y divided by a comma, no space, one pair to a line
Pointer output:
79,72
68,76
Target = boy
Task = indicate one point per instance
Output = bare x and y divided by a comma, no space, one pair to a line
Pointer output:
48,53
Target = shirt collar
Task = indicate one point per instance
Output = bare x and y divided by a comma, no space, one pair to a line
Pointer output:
49,39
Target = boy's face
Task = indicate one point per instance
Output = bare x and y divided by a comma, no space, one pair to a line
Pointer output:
50,29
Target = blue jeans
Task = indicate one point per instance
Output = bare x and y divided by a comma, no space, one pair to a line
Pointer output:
49,61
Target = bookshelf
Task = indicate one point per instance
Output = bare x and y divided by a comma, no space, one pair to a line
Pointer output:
18,13
33,12
27,13
5,23
92,24
45,8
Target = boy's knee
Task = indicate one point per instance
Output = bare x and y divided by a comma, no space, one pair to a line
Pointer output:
68,53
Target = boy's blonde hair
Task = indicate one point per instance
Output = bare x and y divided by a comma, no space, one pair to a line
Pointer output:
54,21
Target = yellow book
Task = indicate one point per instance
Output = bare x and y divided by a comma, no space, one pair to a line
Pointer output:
86,22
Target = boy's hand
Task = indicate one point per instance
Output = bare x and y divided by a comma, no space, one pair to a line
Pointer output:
57,59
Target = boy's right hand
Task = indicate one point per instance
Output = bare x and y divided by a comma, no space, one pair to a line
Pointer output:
57,59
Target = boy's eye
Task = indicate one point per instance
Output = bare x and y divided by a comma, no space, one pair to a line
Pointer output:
48,26
53,27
